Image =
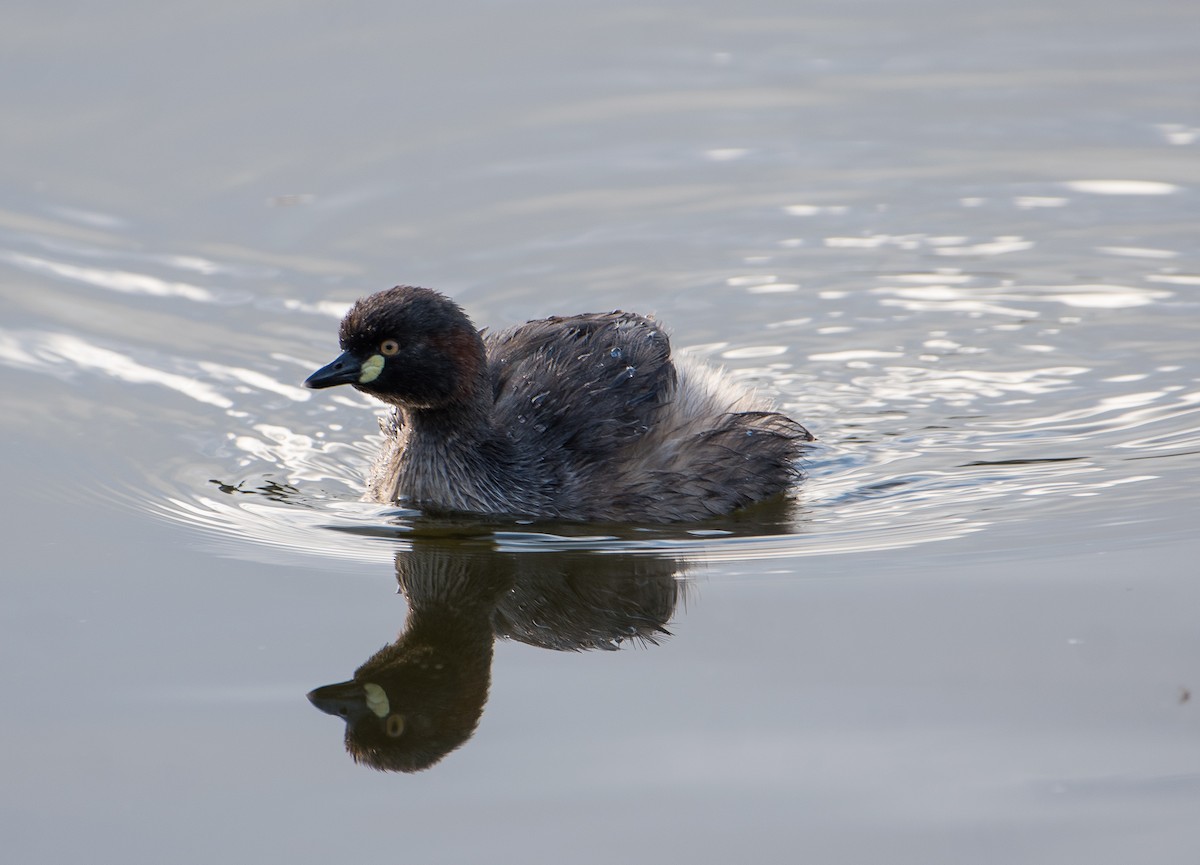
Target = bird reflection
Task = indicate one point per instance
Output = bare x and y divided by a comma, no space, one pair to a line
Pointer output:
419,698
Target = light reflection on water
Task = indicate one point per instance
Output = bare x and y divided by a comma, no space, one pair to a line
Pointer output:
936,412
963,361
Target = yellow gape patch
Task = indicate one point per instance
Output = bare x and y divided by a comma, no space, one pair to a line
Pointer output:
371,369
377,700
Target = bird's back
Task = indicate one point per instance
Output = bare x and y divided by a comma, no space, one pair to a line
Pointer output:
587,384
624,432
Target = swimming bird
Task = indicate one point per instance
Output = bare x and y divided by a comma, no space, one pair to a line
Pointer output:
584,417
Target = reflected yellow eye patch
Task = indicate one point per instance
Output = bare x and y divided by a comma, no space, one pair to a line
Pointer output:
371,369
377,700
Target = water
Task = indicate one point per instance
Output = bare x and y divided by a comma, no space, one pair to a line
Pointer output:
958,243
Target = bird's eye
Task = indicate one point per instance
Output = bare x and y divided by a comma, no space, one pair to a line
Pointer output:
395,726
389,347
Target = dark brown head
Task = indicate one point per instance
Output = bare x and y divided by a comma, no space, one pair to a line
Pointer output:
408,346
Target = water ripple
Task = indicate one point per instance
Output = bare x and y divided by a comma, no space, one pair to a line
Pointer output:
125,281
947,401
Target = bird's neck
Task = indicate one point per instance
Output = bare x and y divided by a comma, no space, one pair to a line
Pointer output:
466,417
466,424
453,458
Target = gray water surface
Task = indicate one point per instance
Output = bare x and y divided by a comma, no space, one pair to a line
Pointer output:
958,242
